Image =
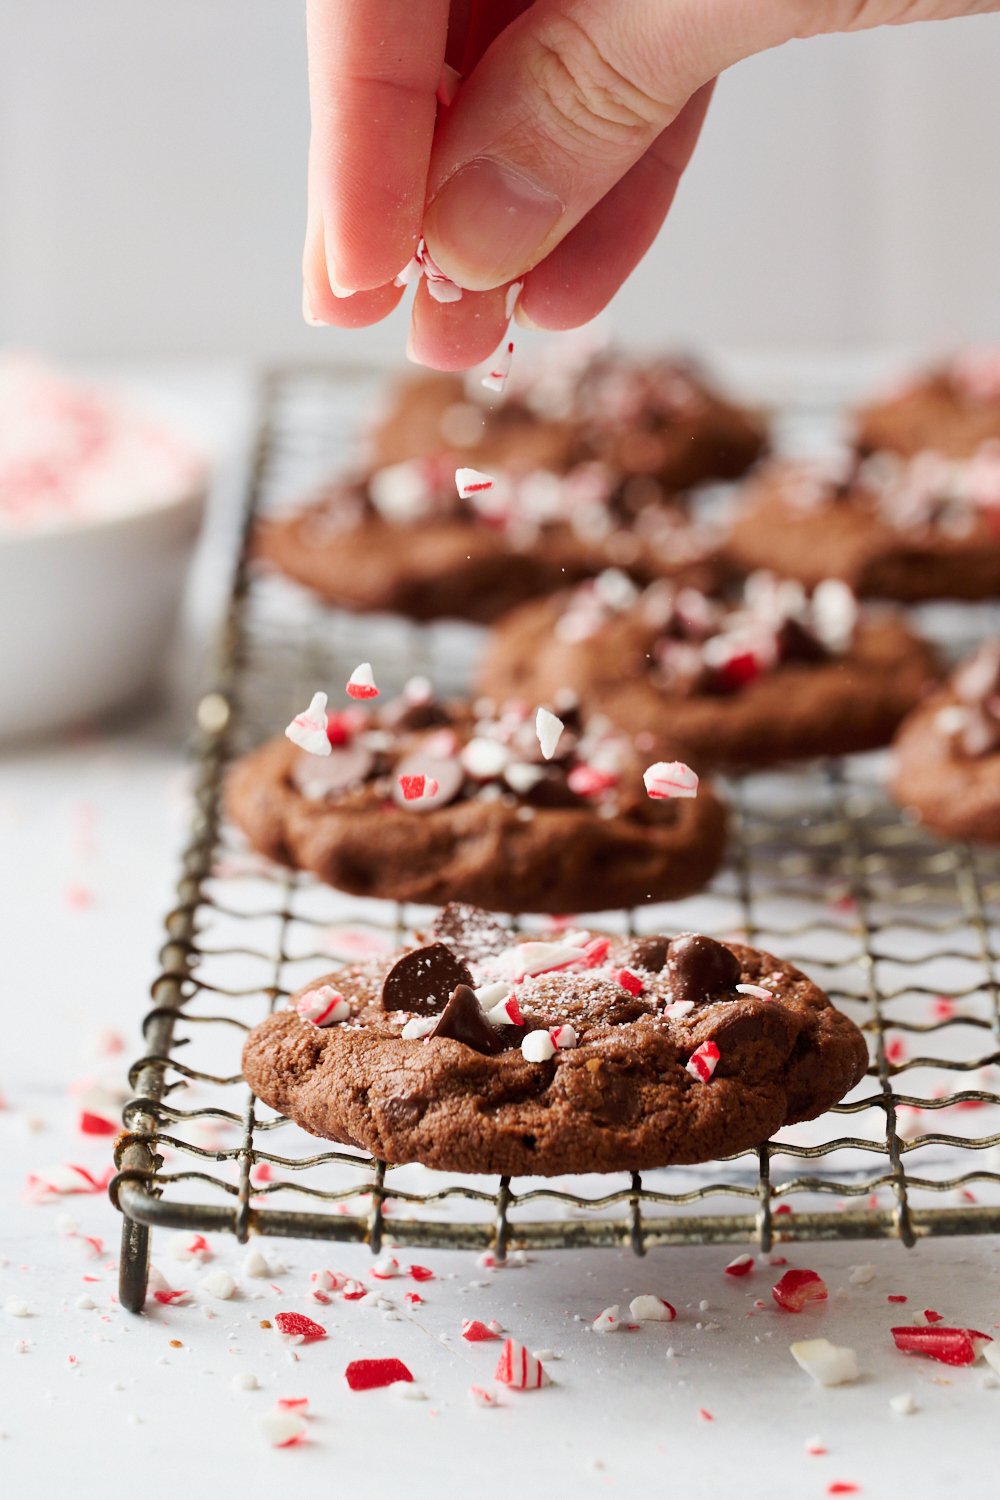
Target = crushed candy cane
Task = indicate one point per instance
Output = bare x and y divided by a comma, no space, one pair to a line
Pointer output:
479,1396
741,1266
507,1013
549,728
297,1326
495,378
799,1289
519,1368
282,1429
537,1047
650,1309
423,264
563,1036
949,1346
361,683
608,1321
373,1374
323,1006
415,788
903,1405
670,779
756,990
703,1061
308,729
472,482
828,1364
476,1332
629,981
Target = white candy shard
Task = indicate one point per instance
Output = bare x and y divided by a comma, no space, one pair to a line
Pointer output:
255,1264
510,301
677,1009
563,1036
608,1321
527,959
903,1405
827,1363
522,777
491,995
862,1275
537,1047
670,779
991,1354
650,1309
308,729
282,1429
495,378
16,1307
756,990
484,759
218,1283
418,1027
548,728
471,482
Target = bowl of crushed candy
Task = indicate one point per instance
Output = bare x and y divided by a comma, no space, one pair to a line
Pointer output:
100,509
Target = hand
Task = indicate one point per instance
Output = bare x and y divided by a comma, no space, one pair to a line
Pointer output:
556,163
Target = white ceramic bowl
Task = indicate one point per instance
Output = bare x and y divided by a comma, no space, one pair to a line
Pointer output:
87,612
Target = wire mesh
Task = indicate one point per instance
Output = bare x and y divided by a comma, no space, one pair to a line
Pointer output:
901,930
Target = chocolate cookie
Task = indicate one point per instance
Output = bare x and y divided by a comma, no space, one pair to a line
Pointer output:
946,757
923,528
953,410
404,542
428,801
480,1053
656,417
778,675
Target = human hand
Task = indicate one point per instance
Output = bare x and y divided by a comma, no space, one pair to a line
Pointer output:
555,165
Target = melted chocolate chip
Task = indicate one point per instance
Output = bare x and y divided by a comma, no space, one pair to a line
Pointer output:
700,969
422,980
404,1110
426,714
463,1021
470,932
795,642
649,953
346,766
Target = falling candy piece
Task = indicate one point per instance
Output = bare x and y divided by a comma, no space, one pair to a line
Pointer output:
471,482
495,378
308,729
670,779
361,683
548,728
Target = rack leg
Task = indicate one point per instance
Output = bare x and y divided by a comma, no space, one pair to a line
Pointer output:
133,1268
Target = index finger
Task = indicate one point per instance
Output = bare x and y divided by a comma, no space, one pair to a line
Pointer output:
374,67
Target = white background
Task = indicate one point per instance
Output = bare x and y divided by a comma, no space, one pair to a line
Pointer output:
847,190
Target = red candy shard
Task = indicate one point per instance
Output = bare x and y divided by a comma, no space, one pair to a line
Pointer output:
842,1487
895,1297
414,1299
421,1273
588,781
372,1374
797,1289
629,981
703,1061
96,1124
412,787
950,1346
932,1316
168,1296
741,1266
514,1011
596,951
292,1403
476,1332
741,668
297,1325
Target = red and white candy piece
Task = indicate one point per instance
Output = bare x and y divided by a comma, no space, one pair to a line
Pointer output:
549,728
741,1266
756,990
373,1374
282,1429
678,1009
507,1013
361,683
703,1061
799,1289
608,1321
440,286
530,959
828,1364
519,1368
650,1309
308,729
323,1006
495,378
385,1268
477,1333
629,981
590,781
492,994
670,779
563,1037
537,1047
950,1346
416,788
596,951
297,1327
472,482
479,1396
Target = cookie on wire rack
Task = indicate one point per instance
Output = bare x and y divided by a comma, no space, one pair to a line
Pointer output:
946,756
952,409
909,530
485,1051
430,801
775,675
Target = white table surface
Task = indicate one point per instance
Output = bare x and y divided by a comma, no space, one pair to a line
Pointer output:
95,1401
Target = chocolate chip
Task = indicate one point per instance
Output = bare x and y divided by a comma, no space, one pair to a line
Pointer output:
422,980
447,773
471,932
462,1020
795,642
403,714
404,1110
700,969
346,766
649,953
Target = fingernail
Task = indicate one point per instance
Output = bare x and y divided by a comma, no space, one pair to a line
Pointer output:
335,286
488,223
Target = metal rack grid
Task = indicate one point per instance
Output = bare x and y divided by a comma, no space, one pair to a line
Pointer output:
903,932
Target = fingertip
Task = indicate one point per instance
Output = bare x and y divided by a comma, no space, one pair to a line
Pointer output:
456,335
359,310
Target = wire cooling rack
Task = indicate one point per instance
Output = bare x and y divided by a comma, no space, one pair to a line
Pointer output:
901,930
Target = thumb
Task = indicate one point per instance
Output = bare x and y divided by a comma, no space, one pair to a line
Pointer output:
572,94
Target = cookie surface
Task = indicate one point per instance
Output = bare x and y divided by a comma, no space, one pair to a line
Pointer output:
505,829
952,410
924,529
946,757
658,1058
657,417
404,542
775,677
